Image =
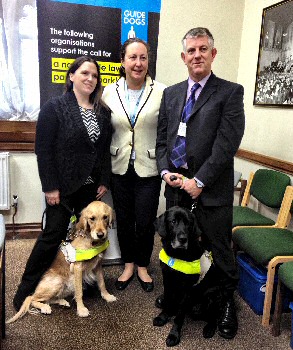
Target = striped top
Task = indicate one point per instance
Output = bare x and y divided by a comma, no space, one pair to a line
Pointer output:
91,123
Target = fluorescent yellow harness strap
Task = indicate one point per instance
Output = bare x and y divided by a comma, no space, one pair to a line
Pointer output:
187,267
71,254
87,254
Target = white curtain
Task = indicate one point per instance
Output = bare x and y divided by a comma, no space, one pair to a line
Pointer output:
19,65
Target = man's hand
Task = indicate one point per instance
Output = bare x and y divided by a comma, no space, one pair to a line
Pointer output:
52,197
173,179
189,185
102,190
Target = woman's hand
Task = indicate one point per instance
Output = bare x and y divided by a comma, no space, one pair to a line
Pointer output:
53,197
101,191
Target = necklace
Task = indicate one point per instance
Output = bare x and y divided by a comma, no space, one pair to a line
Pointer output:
86,108
133,98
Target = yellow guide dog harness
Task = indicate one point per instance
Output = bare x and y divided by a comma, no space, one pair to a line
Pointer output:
199,266
71,254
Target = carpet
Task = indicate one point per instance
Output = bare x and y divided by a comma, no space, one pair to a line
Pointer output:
125,324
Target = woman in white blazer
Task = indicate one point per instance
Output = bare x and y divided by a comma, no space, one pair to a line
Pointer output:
134,101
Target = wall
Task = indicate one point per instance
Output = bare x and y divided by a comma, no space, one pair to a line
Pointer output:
177,17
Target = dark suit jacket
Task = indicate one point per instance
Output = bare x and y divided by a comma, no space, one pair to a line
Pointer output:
214,132
66,155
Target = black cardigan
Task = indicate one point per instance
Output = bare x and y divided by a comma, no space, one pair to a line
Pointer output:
65,154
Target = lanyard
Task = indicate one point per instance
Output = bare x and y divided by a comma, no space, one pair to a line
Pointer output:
133,107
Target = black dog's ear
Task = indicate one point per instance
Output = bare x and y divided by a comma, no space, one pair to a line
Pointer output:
160,225
195,228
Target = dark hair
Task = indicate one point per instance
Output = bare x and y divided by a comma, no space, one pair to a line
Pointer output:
123,52
95,96
199,31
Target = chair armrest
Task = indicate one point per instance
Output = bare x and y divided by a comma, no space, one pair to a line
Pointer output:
246,196
254,226
284,215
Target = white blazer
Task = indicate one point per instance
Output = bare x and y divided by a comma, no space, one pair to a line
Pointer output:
144,132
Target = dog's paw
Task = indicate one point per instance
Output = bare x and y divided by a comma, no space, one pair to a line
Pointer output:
83,312
161,320
109,298
46,309
63,302
209,330
173,339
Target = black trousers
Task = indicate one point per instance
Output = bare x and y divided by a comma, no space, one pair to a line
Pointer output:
46,246
216,226
136,201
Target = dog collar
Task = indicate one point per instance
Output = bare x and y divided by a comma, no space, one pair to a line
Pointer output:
199,266
71,254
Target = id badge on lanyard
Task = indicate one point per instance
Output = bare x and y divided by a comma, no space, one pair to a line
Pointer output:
182,129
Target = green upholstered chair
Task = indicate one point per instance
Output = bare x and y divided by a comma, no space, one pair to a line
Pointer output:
285,279
268,188
267,246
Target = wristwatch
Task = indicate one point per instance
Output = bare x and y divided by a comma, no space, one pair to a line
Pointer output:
198,183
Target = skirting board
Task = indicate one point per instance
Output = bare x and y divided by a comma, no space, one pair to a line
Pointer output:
22,231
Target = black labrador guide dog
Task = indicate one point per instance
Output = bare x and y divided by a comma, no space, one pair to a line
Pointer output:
182,262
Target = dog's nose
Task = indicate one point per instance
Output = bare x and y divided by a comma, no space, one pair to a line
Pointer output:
100,235
182,239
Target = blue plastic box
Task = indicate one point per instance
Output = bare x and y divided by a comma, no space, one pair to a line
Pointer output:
252,283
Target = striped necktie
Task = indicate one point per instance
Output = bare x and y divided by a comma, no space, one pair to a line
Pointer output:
178,155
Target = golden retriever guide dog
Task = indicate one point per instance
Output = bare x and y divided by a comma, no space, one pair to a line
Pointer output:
65,278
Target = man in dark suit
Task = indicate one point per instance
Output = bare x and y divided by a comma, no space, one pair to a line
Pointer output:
211,135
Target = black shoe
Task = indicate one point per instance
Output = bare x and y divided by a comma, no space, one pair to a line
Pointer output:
121,285
159,303
228,324
24,289
18,301
146,286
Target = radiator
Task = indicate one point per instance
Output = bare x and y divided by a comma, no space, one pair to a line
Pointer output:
4,181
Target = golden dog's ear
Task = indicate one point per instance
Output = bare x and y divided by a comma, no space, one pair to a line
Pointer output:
82,222
111,216
81,225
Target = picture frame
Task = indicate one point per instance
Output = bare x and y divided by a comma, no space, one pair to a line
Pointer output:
274,76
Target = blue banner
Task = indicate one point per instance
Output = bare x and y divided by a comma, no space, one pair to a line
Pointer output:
134,14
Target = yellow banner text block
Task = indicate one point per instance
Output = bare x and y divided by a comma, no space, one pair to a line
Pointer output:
109,79
105,67
109,67
58,77
61,63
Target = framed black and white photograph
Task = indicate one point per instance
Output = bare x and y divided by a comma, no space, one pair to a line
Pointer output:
274,76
